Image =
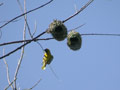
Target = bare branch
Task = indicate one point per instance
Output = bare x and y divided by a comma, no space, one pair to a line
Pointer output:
37,41
21,41
77,27
34,39
97,34
88,34
9,85
18,66
75,8
54,73
28,41
88,3
23,45
25,16
7,69
35,84
22,51
35,29
7,21
25,13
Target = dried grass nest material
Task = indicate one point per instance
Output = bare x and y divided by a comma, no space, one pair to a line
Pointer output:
58,30
74,40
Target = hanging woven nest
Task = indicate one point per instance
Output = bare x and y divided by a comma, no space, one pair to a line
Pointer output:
58,30
74,40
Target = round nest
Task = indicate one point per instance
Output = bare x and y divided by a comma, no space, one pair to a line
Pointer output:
58,30
74,40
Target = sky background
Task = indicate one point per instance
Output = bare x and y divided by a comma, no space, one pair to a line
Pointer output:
96,66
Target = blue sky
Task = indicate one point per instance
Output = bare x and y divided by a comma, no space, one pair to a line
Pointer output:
96,66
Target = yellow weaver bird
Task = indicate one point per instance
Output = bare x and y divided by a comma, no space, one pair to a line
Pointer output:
47,58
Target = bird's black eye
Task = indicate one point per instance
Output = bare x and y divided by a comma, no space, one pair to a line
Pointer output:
46,50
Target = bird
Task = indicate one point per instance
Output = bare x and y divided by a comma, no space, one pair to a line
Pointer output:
47,59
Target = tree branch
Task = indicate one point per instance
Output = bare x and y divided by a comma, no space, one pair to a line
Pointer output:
22,51
88,3
21,41
7,69
9,85
35,84
22,45
25,13
98,34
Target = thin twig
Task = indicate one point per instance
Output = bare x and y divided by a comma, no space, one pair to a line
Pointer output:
88,34
21,41
77,27
54,73
12,21
37,41
97,34
7,69
23,45
9,85
28,41
35,84
25,17
75,8
22,51
34,39
18,66
88,3
25,13
35,29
